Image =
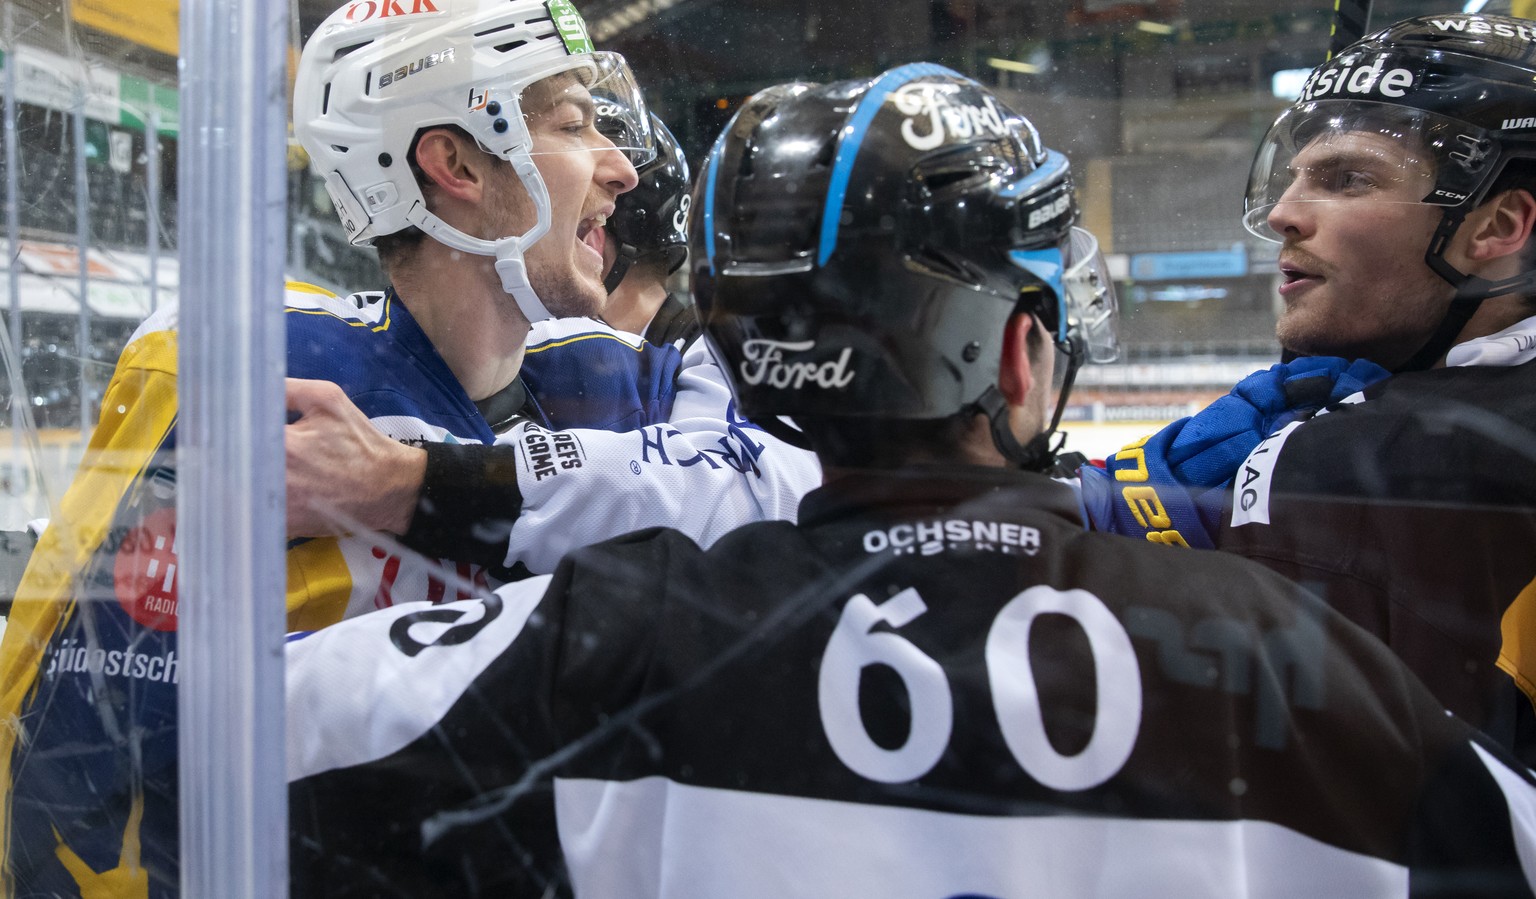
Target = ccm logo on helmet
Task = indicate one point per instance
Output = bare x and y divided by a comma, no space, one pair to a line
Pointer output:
765,365
958,120
363,10
1364,80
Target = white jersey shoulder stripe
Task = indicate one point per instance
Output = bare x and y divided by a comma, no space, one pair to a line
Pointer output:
363,310
654,837
165,318
377,703
1521,797
556,332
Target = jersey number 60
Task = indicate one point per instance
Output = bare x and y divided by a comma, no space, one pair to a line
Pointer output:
855,645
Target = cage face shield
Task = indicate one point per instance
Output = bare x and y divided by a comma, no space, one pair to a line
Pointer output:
1362,151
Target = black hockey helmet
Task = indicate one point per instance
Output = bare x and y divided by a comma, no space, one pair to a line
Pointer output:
1457,93
651,219
857,248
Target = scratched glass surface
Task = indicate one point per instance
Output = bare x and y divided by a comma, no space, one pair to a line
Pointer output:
1159,105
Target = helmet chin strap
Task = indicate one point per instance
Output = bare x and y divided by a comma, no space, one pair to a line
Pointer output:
507,251
1033,456
514,280
1470,293
621,264
1039,454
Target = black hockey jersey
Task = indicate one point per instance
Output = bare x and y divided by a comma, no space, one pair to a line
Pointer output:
1413,513
937,685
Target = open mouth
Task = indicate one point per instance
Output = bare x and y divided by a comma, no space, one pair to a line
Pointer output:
1295,277
592,233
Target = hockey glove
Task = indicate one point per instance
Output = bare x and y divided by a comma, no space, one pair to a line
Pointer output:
1171,487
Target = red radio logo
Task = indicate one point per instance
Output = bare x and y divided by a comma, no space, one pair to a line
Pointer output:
144,571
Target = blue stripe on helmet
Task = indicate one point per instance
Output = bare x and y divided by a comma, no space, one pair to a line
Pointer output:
1053,166
712,173
853,136
1046,265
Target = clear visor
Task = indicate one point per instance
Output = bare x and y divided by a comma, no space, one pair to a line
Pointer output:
564,111
1093,312
1358,151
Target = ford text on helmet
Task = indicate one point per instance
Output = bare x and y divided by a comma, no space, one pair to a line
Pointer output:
651,219
377,72
857,248
1429,110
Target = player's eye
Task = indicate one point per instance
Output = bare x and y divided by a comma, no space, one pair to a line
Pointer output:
1352,181
1338,178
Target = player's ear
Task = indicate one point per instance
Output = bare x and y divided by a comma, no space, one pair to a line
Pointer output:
451,163
1502,226
1015,376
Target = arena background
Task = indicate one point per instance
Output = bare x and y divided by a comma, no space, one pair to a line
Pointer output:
1159,104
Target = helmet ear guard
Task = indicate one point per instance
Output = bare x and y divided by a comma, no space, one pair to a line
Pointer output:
857,248
354,219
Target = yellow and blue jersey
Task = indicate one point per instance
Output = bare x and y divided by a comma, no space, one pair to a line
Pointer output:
89,663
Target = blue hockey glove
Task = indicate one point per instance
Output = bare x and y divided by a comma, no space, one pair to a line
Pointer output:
1171,487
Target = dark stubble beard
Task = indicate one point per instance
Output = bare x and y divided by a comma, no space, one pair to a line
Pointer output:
563,293
567,296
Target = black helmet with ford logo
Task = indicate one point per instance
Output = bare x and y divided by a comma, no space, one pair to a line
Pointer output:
857,247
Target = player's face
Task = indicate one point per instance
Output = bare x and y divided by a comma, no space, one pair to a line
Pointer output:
1354,281
583,174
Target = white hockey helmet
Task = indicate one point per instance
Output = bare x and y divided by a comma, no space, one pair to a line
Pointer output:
378,72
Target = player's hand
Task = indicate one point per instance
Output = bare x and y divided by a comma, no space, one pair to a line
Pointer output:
344,475
1184,472
1269,400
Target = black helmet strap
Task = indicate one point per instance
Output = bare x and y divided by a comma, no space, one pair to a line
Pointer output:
628,255
621,264
1039,454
